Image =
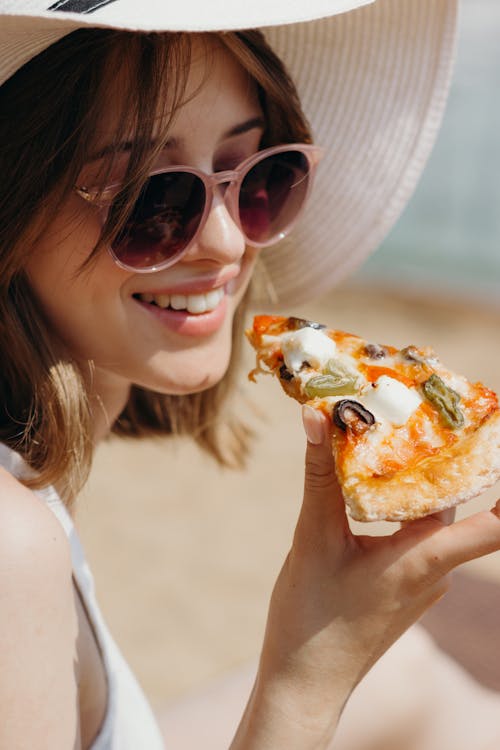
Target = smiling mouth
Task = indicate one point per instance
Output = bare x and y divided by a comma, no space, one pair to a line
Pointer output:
195,304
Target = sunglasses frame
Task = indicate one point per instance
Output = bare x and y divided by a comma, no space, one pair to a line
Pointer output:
102,198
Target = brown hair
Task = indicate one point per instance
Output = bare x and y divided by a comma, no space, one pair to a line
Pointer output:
49,110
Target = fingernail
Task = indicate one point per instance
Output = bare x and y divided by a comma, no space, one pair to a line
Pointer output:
313,425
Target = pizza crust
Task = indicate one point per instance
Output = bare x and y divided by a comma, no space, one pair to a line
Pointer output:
453,476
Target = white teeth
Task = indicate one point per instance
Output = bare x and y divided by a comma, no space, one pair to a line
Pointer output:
213,298
162,300
196,303
178,301
193,303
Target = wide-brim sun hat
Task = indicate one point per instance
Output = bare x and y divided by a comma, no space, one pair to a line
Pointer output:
373,78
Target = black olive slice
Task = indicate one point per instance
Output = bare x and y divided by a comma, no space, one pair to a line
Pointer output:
412,354
352,414
375,351
285,373
295,323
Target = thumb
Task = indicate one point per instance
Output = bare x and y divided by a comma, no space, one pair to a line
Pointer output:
322,494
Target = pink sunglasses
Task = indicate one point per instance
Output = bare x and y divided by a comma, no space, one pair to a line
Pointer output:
265,196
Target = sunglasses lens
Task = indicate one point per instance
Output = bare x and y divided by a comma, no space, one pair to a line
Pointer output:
163,221
272,195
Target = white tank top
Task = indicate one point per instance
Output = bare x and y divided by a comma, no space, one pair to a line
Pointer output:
129,723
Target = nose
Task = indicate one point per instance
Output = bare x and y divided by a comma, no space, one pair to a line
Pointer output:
220,239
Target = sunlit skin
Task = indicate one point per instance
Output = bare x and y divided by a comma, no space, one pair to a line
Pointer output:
95,312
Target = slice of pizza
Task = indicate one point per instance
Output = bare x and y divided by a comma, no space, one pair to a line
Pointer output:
410,437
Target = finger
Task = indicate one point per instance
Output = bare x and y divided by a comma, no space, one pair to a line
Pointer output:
322,495
467,539
445,517
316,427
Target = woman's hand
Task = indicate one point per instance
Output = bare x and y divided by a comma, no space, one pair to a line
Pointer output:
342,600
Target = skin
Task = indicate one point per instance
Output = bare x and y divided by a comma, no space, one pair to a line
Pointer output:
339,602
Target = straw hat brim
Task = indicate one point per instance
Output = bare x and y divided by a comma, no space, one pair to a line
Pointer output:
373,78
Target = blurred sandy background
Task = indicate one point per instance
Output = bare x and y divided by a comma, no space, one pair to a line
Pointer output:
185,554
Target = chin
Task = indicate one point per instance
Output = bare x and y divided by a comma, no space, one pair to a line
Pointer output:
192,379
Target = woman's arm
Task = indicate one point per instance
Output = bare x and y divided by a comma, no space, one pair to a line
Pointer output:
38,626
341,601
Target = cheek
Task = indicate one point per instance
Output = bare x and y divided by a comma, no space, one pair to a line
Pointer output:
68,295
64,246
238,289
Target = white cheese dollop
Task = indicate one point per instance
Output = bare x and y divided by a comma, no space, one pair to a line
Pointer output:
391,400
307,345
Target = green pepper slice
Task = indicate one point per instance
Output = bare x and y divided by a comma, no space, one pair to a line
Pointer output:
445,400
330,385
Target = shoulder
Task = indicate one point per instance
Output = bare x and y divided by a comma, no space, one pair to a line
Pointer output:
30,534
39,626
35,558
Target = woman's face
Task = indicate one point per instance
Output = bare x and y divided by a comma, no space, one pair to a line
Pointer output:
103,314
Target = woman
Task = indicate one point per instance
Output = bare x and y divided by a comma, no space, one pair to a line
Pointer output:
142,176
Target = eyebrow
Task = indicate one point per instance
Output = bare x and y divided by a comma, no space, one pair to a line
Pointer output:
243,127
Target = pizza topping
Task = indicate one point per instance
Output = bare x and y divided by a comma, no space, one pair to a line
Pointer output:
375,351
330,385
295,323
285,374
307,345
373,373
412,354
270,324
343,370
445,400
352,415
424,357
392,400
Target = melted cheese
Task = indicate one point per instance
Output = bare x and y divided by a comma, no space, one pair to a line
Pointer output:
390,400
307,345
